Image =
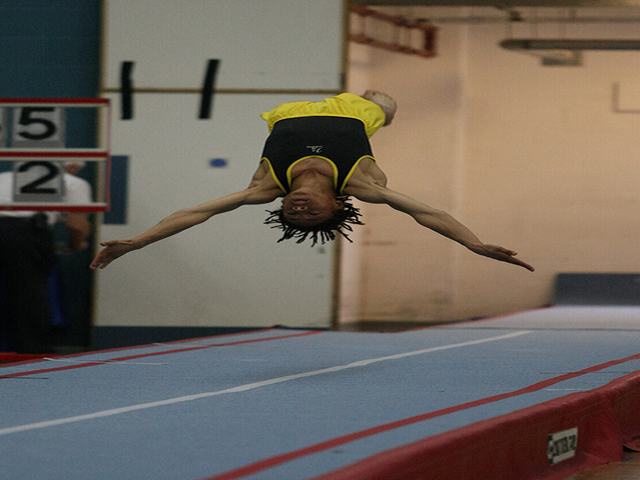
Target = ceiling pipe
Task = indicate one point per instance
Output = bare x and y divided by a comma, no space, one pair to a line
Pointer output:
567,44
501,3
493,19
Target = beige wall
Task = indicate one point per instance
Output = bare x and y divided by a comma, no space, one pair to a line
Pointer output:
529,157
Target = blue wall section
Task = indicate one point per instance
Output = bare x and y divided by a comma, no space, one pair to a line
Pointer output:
49,48
117,214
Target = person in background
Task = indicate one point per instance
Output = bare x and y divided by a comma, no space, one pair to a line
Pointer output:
26,261
78,190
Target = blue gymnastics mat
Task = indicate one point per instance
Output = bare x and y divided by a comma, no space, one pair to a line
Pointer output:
538,394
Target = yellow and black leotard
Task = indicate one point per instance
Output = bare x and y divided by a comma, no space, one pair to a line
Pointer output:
336,129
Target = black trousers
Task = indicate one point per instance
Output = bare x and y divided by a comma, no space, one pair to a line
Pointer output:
26,259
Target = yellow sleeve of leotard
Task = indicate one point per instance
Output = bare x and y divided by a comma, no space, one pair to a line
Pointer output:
343,105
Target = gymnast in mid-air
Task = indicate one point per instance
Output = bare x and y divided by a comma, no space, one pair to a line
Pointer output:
316,157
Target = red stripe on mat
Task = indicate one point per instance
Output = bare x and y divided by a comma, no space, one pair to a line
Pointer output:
152,354
15,358
332,443
38,358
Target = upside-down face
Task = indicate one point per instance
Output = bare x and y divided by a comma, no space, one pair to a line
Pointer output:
308,208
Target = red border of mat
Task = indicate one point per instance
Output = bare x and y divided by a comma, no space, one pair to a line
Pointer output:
131,347
513,446
602,444
95,363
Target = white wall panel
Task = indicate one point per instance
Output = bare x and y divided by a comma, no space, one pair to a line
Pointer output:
262,43
227,271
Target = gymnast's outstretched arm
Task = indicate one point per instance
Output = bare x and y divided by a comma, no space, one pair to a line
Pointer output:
436,220
181,220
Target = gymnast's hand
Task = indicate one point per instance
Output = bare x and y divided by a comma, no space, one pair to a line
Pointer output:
112,250
499,253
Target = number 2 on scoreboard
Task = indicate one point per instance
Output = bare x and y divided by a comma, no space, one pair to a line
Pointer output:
38,181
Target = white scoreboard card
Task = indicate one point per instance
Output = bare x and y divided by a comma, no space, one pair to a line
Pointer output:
38,181
38,127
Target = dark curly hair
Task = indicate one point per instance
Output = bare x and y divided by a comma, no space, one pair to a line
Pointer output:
340,222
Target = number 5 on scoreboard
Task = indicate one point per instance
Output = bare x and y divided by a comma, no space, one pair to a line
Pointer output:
38,127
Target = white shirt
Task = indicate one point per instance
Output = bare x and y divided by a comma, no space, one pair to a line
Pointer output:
77,191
